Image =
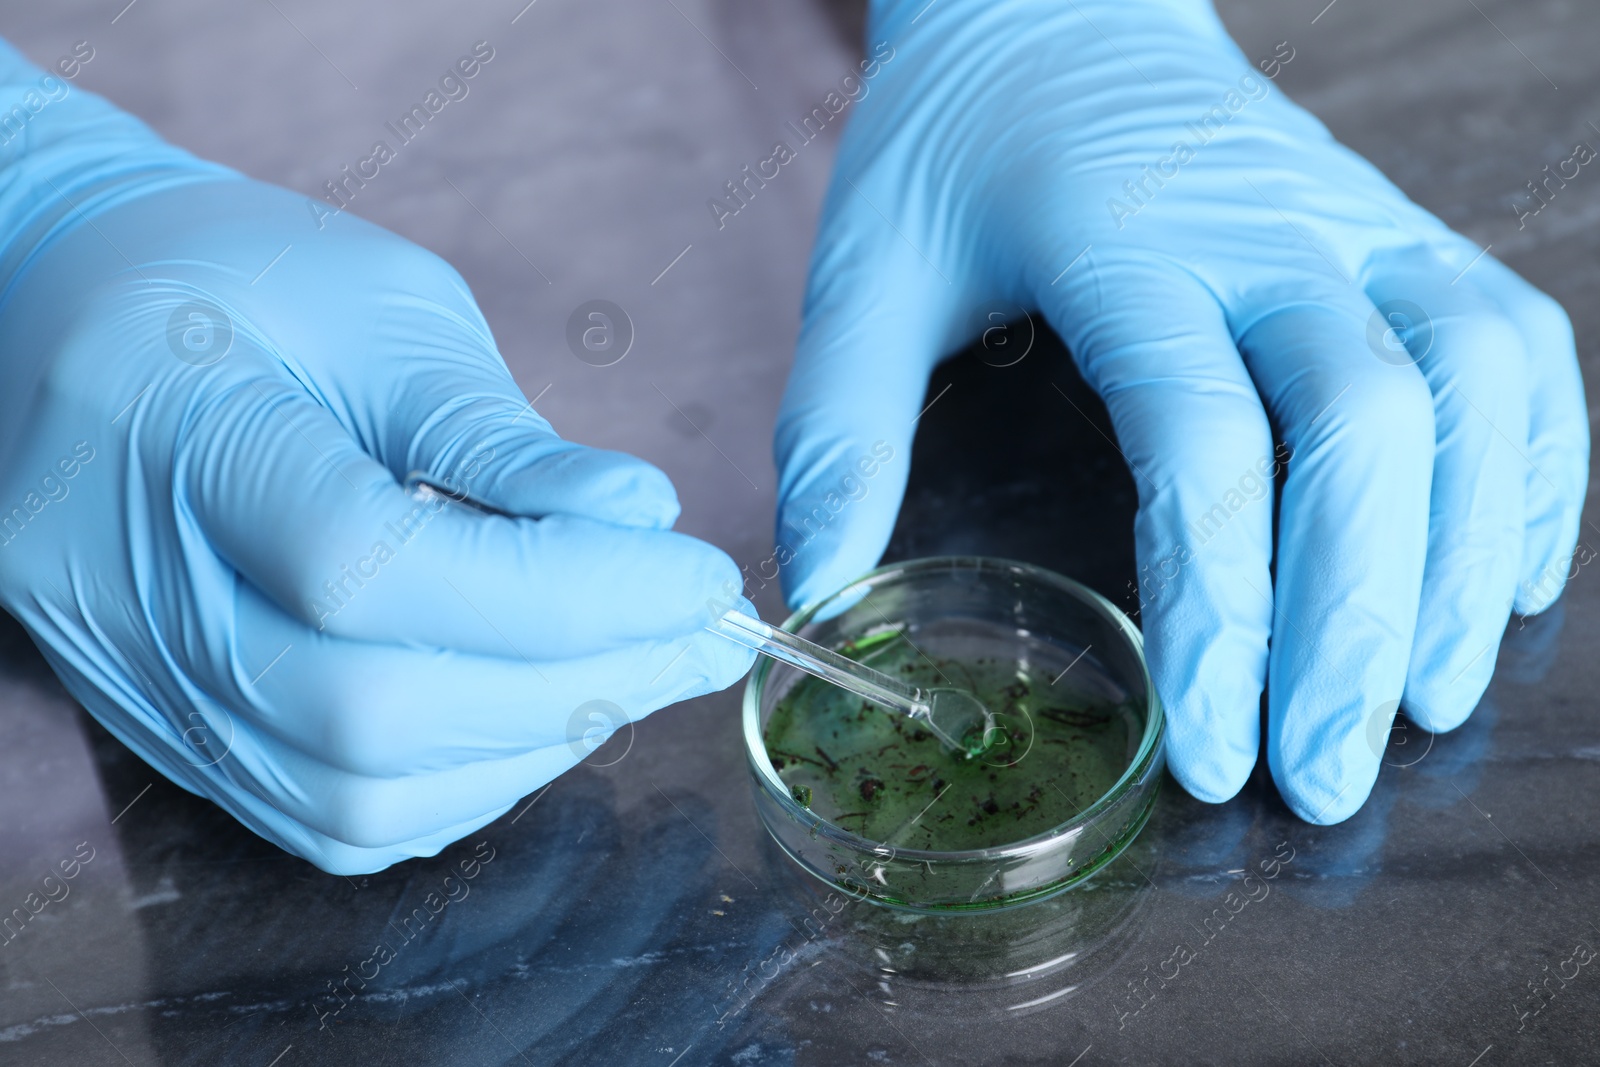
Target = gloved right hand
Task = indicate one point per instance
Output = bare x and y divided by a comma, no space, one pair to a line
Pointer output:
209,396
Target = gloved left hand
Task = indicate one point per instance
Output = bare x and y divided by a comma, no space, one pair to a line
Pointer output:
210,392
1227,277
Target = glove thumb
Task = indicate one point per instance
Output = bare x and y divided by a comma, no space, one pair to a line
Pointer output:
877,317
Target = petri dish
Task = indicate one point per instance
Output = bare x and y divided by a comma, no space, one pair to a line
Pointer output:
865,802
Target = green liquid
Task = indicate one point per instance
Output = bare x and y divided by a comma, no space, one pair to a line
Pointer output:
878,774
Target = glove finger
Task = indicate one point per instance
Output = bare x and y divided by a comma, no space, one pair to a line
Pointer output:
1352,540
1473,360
375,812
389,711
1556,456
229,783
403,357
285,794
1156,347
289,499
456,416
877,318
497,450
324,745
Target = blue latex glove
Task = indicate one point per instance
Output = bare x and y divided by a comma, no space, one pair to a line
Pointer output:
1216,263
207,405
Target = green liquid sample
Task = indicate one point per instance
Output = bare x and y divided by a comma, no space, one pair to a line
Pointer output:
879,775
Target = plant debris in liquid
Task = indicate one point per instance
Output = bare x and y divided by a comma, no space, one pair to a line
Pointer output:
879,775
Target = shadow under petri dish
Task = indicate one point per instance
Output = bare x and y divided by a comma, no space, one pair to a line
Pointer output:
1007,962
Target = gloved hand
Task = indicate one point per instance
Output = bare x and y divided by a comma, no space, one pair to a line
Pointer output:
209,395
1225,274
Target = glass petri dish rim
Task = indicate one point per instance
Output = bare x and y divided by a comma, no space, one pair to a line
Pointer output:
1149,745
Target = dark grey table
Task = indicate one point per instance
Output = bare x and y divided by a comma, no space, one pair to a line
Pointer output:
634,913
